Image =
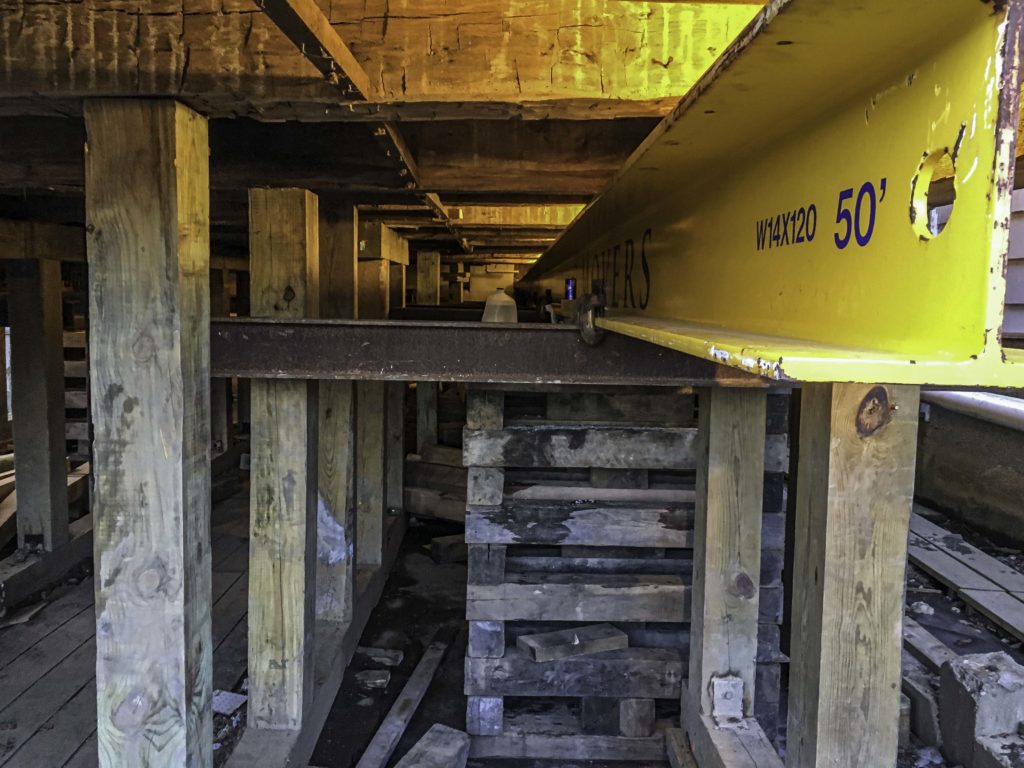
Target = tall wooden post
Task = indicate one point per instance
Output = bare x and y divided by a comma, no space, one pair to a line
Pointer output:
395,449
148,239
855,484
428,278
284,253
371,427
220,389
397,281
426,415
336,528
37,395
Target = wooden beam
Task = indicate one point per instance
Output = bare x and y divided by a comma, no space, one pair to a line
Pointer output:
34,301
284,252
336,525
36,240
371,441
855,483
310,30
374,289
147,208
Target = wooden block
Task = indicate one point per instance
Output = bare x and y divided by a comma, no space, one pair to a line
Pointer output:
584,524
636,717
486,639
484,715
572,642
428,278
599,716
485,409
855,484
441,747
486,563
486,486
426,502
147,211
904,725
645,673
547,445
572,597
449,549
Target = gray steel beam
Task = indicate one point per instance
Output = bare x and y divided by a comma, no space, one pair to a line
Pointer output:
452,351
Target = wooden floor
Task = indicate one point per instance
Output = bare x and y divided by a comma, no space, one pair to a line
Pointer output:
47,665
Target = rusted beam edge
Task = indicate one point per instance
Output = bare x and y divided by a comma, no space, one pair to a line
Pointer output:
452,351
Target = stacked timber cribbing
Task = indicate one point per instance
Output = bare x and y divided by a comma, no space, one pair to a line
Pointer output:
580,510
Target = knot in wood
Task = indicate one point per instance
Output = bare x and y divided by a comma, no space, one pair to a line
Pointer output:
132,712
743,586
874,412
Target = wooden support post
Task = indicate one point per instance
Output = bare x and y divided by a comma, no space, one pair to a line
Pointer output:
428,278
426,415
371,439
854,493
37,391
336,529
147,225
395,450
727,542
374,289
397,282
5,423
220,389
284,253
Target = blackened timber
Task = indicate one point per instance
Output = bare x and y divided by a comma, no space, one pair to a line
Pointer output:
451,351
655,673
518,522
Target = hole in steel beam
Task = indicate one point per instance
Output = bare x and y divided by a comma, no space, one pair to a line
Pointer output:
933,193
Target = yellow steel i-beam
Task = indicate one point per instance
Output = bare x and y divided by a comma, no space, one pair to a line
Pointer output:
785,218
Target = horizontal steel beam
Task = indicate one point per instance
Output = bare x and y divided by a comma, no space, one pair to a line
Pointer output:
525,353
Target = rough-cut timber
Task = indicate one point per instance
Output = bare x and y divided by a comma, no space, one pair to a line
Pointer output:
639,673
371,442
583,524
854,493
147,209
336,523
284,254
578,641
34,305
428,278
441,747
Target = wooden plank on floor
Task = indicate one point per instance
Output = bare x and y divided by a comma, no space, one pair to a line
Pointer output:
61,736
85,756
383,744
925,647
554,523
572,597
992,569
1002,608
14,641
641,673
945,568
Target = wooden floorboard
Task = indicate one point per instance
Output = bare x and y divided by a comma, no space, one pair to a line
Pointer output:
47,665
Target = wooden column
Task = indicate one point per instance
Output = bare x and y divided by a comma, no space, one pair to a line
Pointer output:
395,450
397,281
284,253
374,290
426,415
336,527
428,278
220,389
37,395
5,424
147,231
854,493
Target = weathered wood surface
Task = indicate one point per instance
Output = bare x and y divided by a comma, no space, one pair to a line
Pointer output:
34,305
284,255
486,563
395,448
371,442
534,740
147,208
954,545
596,446
336,523
577,641
426,415
485,486
428,278
854,494
924,646
440,747
727,543
569,597
643,673
485,715
383,744
486,639
636,717
526,522
714,747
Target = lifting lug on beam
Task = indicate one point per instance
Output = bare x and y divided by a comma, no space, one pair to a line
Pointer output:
592,307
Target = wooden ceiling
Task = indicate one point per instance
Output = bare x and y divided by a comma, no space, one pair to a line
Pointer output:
455,121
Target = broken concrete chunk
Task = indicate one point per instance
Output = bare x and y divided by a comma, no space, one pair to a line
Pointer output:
980,696
441,747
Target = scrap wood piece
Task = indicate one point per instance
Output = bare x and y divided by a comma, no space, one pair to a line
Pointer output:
579,641
386,739
445,550
441,747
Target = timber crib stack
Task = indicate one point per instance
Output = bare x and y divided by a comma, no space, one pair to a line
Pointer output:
580,511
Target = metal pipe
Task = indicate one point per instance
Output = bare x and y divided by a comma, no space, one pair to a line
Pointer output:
1003,410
